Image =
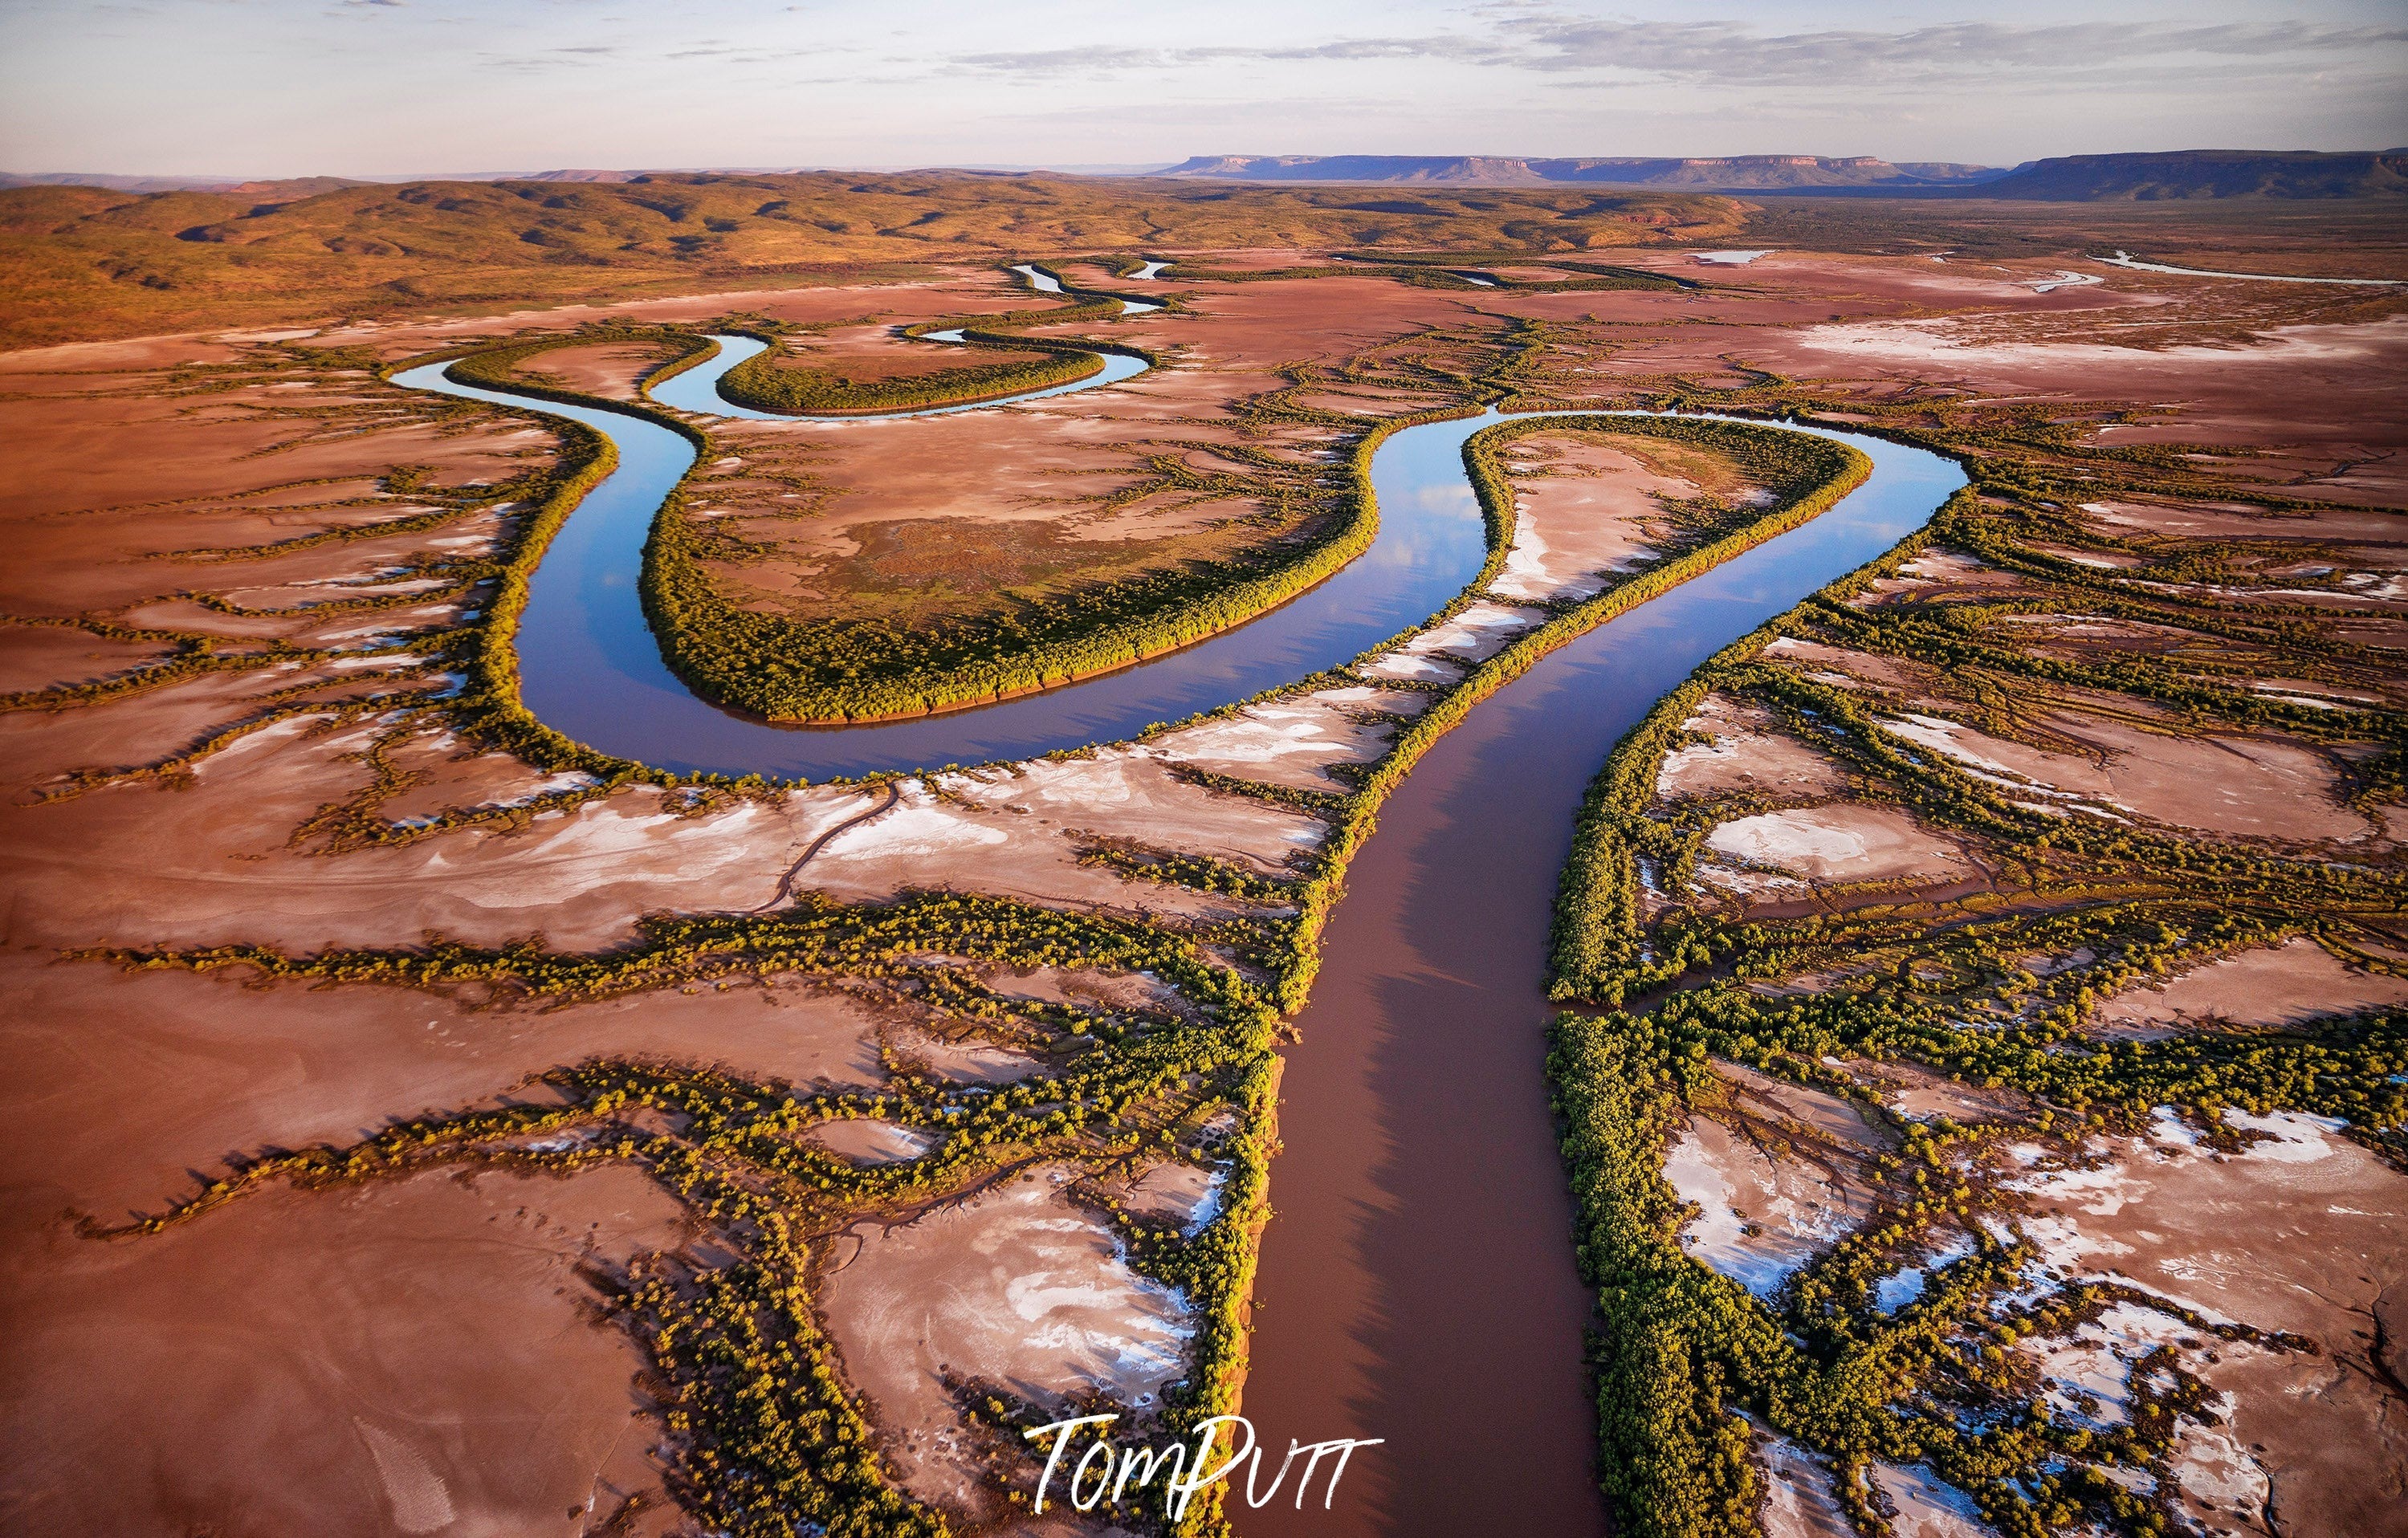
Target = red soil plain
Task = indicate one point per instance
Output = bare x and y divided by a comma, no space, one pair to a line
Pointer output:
238,560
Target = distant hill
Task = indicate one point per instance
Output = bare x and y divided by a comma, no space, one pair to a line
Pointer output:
577,176
116,183
285,189
1730,173
310,186
2179,174
2206,173
82,261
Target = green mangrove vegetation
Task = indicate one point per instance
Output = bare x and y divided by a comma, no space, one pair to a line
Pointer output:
766,1441
1996,988
763,1439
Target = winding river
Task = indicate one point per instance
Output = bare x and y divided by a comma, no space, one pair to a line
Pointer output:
2126,259
590,666
1417,1284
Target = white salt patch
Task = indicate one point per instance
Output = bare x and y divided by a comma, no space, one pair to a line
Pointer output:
291,726
2125,259
1261,733
2211,1465
1927,1506
1720,1236
420,1501
1946,341
1685,762
1744,883
927,828
872,1140
2088,1372
1525,574
1714,1236
1781,839
2298,1138
2167,1125
1476,632
1938,735
1904,1284
1403,667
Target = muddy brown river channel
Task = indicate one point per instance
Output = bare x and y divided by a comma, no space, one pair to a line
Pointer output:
1417,1283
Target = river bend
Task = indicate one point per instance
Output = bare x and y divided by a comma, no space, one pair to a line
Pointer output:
1417,1284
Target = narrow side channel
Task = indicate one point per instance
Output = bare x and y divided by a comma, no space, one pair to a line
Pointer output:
2126,259
1417,1284
696,388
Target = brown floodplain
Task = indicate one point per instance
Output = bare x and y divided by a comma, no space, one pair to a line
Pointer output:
416,1357
2300,1232
226,1069
423,1355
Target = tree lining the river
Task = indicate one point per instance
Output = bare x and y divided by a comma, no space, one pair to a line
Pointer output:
763,1439
1955,982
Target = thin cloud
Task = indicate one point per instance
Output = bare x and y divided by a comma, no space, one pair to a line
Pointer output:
1724,52
584,56
1093,61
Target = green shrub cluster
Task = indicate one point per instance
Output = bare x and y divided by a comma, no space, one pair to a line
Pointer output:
1411,266
1995,990
765,1440
1682,1352
765,383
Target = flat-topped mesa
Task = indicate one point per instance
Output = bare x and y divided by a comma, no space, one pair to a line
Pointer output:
1696,172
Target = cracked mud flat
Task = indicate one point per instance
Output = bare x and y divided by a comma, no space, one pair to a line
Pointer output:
1015,1287
2276,986
870,1140
2301,1231
1172,1191
1761,1218
277,1369
1768,1204
220,1068
1922,1505
1798,1499
2261,786
1586,506
1834,843
1748,753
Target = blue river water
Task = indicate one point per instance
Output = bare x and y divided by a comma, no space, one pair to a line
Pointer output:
1417,1284
590,668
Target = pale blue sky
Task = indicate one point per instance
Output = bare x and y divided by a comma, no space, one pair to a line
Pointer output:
384,87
